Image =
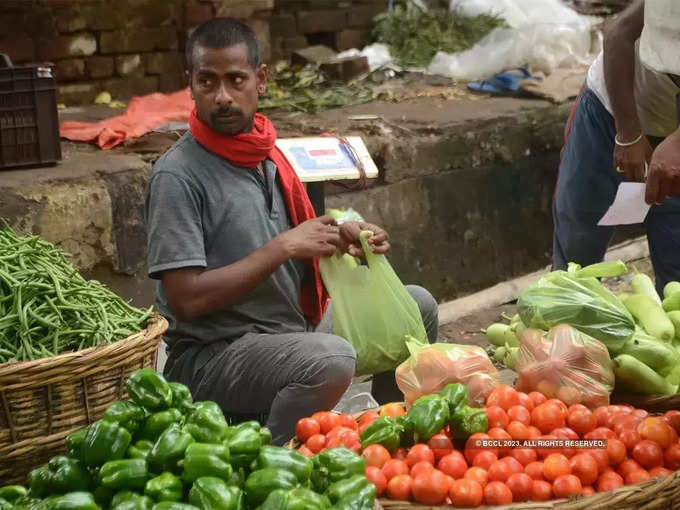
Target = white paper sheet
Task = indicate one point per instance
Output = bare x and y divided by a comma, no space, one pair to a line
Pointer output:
629,206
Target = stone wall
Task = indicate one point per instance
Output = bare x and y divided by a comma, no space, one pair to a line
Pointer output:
134,47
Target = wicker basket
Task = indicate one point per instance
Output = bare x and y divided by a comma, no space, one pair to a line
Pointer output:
43,401
651,403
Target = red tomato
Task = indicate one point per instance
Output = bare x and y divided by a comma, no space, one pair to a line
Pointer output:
657,430
329,421
518,430
660,472
377,478
541,491
347,420
616,451
588,490
640,413
577,407
502,436
421,468
547,417
629,438
399,488
497,417
504,396
306,451
520,413
563,407
392,409
555,465
513,464
601,457
316,443
535,470
342,436
306,428
544,452
526,401
394,467
497,493
485,459
582,421
637,476
600,433
520,484
419,452
601,415
376,455
366,419
627,466
430,488
499,471
441,445
453,464
672,457
400,453
472,448
585,468
623,422
537,398
673,419
648,453
525,456
534,432
466,493
609,482
566,485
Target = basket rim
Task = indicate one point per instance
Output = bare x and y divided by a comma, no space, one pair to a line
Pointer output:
155,327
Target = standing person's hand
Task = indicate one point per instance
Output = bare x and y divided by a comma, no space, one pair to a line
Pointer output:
663,180
351,243
318,237
631,160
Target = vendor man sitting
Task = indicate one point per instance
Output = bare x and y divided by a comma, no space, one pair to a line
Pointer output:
233,242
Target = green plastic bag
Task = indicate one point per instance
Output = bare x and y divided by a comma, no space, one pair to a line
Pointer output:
372,309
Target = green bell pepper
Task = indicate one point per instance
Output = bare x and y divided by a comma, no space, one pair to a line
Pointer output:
105,440
29,503
156,424
290,460
165,487
206,459
11,493
262,482
104,495
181,398
127,500
74,443
140,450
207,423
295,499
355,491
467,421
385,431
428,416
210,493
5,505
265,435
238,477
149,389
244,445
333,465
174,505
72,501
127,414
456,394
170,448
124,474
59,476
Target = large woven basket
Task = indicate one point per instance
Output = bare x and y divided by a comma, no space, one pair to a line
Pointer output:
43,401
651,403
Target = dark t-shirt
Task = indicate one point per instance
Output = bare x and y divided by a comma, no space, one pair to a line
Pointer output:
203,211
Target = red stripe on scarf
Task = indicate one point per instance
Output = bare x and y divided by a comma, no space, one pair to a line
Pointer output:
248,150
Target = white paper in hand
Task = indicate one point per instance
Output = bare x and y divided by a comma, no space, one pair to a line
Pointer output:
629,206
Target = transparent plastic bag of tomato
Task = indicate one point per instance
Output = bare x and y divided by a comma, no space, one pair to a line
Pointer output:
565,364
431,367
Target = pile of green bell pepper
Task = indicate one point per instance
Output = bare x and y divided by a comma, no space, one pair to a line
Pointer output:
160,450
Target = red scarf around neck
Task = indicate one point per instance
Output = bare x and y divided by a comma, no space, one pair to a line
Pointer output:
248,150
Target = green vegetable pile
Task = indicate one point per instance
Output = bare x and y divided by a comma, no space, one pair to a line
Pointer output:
160,450
308,90
427,417
47,307
415,36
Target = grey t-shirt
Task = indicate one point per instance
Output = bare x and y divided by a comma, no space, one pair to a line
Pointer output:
203,211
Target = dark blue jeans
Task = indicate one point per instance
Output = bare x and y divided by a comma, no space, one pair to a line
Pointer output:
586,187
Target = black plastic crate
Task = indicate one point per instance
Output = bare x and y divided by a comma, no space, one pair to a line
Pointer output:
29,124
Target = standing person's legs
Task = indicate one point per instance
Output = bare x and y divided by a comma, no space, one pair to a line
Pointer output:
586,185
663,237
290,376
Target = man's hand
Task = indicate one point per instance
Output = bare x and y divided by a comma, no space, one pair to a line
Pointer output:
663,180
318,237
351,243
630,161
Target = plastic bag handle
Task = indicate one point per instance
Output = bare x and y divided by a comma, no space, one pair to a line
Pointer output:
368,253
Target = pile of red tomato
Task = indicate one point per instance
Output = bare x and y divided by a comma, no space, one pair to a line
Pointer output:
639,447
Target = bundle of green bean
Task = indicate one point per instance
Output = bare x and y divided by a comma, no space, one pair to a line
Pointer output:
47,307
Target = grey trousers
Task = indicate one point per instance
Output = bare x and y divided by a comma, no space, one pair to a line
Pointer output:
290,376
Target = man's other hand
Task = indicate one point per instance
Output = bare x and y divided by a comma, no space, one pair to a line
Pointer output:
630,161
663,180
350,241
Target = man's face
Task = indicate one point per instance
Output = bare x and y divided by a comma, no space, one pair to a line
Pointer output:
225,88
